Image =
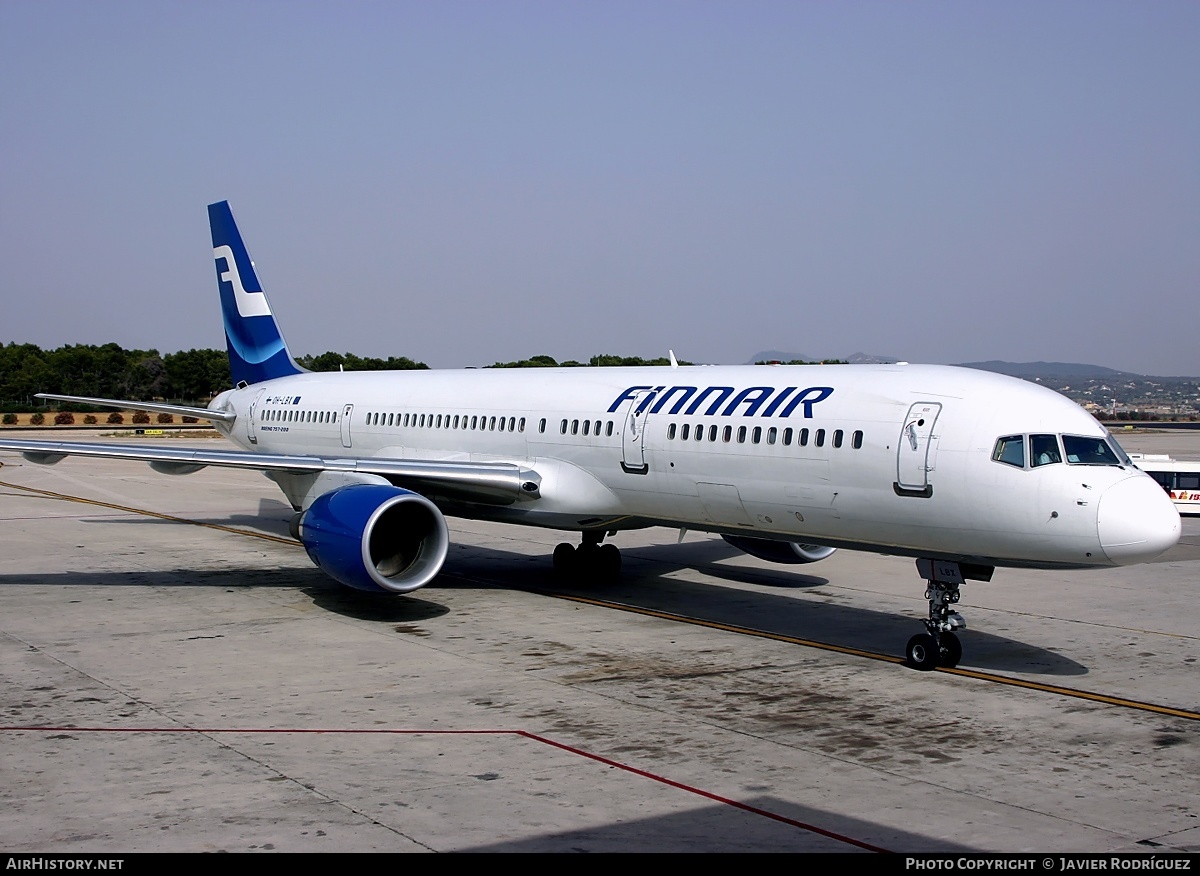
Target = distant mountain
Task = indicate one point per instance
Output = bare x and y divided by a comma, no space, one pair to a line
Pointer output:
1031,370
1094,386
854,359
1024,370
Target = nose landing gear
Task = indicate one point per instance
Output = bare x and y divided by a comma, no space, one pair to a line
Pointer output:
939,646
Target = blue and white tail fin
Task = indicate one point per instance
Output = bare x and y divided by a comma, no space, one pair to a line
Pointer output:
257,350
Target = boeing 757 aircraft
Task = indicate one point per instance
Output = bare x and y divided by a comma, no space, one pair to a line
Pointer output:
961,469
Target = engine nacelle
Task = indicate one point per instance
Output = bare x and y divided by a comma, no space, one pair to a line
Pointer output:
779,551
376,537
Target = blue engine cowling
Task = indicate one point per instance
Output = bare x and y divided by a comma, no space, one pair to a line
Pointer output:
376,537
779,551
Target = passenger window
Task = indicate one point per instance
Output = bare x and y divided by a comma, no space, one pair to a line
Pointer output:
820,441
1010,450
787,437
671,432
1043,450
802,441
683,433
542,424
837,437
771,433
727,435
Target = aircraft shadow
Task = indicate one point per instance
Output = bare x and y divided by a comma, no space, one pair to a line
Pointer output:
789,604
312,582
723,828
647,584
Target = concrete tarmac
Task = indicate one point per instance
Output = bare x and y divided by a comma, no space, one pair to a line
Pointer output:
195,684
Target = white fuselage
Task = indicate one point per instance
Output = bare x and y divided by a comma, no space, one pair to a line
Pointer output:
894,458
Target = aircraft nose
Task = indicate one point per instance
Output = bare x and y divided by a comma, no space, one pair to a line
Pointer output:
1136,521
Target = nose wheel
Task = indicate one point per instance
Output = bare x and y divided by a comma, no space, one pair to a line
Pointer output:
926,651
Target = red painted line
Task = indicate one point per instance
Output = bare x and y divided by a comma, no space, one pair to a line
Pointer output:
654,777
745,807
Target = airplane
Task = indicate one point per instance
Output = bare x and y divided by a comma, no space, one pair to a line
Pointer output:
963,470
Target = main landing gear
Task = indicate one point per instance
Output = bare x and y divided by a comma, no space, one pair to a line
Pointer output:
592,561
940,645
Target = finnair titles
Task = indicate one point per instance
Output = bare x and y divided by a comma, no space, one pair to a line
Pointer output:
752,398
962,470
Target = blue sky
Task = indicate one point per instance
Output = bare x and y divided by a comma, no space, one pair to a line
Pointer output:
464,182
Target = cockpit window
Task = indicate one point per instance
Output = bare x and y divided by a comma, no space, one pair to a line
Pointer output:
1081,450
1122,456
1010,449
1043,450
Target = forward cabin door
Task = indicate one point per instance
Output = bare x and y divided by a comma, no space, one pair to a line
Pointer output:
633,431
917,449
347,410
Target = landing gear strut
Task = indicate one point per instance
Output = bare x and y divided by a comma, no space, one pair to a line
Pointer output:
592,561
940,645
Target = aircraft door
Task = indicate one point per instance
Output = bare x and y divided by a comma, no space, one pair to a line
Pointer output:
254,418
633,447
917,449
347,410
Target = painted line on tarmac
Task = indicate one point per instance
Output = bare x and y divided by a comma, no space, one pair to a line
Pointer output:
534,737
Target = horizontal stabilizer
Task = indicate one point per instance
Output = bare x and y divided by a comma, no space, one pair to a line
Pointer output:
151,407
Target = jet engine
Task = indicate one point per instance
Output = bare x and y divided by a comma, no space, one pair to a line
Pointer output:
376,537
779,551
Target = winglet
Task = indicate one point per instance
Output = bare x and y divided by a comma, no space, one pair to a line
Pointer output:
257,350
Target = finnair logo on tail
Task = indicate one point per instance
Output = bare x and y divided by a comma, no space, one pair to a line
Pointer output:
248,303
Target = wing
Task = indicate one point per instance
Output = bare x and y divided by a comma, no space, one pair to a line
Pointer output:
489,482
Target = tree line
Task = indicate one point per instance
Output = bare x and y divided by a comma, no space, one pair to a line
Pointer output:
110,371
186,377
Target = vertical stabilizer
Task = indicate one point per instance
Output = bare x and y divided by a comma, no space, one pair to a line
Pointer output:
257,350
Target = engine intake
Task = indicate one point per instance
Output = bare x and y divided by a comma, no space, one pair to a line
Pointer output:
376,537
780,551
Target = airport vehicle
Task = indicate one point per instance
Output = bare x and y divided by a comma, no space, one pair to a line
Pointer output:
963,470
1180,478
